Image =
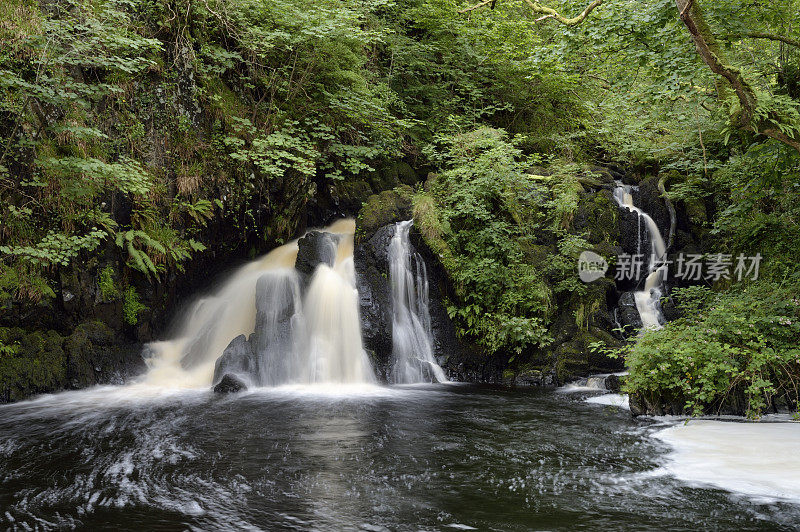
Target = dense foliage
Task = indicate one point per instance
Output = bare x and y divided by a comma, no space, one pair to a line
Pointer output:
741,342
506,237
138,135
136,122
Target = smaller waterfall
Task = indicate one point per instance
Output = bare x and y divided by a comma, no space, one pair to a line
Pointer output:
648,299
412,350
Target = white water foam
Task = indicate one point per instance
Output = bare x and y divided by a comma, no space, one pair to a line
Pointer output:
758,460
611,399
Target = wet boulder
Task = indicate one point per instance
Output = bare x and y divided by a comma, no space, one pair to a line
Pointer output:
613,383
315,248
230,384
237,359
375,294
272,343
97,355
628,314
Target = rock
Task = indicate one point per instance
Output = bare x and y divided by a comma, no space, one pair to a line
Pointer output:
230,384
392,175
375,307
628,314
613,383
315,248
96,355
602,174
44,361
634,240
347,196
277,301
371,260
534,378
648,198
36,364
382,209
597,216
237,359
276,298
670,310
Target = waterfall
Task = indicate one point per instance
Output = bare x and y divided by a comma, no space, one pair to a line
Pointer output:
648,299
261,326
412,351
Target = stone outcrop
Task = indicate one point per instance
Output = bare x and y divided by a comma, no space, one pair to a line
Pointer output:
230,384
45,361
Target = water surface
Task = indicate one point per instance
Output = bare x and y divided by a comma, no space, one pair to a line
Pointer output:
425,457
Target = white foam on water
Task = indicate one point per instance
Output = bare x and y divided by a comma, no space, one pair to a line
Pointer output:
593,383
611,399
757,459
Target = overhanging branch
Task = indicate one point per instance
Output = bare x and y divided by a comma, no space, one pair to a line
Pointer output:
692,19
546,12
773,37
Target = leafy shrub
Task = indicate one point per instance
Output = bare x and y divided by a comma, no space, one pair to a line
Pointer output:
741,341
131,306
108,289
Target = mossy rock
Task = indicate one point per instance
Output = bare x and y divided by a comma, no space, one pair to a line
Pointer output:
32,362
392,175
388,207
87,351
537,255
571,362
597,216
696,212
349,195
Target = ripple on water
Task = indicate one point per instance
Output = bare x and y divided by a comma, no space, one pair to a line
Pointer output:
396,458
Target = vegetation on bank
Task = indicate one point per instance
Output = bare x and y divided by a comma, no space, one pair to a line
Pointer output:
734,351
508,239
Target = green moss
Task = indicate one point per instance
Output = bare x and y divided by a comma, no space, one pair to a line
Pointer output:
393,174
381,209
31,362
82,351
598,215
351,192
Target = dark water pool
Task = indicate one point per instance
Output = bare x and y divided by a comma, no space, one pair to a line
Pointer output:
441,457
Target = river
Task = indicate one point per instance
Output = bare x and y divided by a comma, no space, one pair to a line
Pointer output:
366,457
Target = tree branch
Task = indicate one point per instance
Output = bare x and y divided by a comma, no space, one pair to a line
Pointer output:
548,12
477,6
706,46
692,19
772,37
779,135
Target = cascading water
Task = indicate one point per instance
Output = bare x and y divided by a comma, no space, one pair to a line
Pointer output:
293,337
412,350
648,299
